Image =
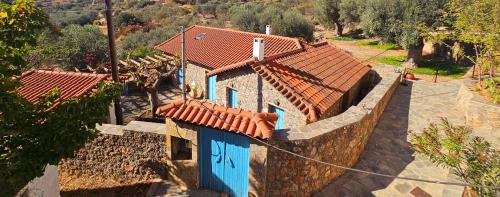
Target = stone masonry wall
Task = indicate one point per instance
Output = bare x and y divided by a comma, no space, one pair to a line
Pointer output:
256,94
123,152
339,140
198,74
478,112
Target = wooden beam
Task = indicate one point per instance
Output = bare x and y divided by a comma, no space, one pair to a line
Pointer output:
161,58
123,62
136,63
144,61
152,59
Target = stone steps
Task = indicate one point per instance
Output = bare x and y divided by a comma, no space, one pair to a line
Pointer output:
164,188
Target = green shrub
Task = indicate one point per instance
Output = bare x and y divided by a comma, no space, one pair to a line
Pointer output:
493,87
472,159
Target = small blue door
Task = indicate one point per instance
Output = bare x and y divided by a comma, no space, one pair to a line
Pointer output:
233,98
224,162
180,76
211,88
280,123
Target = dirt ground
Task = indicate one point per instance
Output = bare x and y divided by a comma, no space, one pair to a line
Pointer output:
84,185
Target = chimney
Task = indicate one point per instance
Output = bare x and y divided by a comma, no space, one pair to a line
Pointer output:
268,29
258,48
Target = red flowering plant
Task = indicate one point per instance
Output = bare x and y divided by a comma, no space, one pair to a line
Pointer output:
472,159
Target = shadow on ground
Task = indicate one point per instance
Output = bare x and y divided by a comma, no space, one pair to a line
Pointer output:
387,151
139,189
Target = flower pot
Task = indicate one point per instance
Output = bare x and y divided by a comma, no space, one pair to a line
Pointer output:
410,76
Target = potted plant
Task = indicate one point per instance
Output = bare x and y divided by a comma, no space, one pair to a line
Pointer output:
472,159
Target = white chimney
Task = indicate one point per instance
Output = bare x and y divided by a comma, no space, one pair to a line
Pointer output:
268,29
258,48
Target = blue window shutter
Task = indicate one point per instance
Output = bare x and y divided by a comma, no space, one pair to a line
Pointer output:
233,98
180,76
280,123
211,88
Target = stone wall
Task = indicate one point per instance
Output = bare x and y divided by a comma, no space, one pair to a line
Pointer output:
133,151
339,140
478,112
198,74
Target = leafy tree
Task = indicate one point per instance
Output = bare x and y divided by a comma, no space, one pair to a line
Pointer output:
395,21
285,22
67,18
350,12
34,135
20,23
328,14
471,22
141,43
472,159
79,42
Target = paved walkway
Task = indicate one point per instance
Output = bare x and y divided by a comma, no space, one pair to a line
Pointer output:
388,151
164,188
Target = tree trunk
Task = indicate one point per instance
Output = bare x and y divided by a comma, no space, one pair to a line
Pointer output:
415,52
340,28
154,100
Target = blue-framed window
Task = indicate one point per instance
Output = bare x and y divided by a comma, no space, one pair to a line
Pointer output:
180,75
211,88
232,98
280,123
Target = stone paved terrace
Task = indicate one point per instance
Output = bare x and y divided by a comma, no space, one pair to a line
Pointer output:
388,151
136,102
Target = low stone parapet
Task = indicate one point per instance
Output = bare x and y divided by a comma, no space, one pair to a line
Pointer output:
338,140
478,112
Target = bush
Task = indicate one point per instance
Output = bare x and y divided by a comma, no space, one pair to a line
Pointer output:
136,44
493,87
285,22
125,19
471,158
65,19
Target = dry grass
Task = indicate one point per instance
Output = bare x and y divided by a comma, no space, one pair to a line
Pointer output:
93,185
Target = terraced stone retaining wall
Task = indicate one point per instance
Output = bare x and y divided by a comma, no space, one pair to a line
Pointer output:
478,112
133,151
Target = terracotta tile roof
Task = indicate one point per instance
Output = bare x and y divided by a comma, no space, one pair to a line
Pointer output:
318,77
216,48
37,83
219,117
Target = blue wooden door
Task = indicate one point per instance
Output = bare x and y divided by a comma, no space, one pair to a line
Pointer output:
280,123
180,76
224,162
211,88
233,98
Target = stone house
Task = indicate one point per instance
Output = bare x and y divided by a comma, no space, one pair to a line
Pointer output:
267,73
262,88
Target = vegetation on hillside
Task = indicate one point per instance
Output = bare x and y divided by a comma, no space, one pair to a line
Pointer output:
34,135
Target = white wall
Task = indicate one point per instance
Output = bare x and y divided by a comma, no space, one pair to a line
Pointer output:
44,186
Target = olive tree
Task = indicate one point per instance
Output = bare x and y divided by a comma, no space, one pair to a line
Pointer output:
395,21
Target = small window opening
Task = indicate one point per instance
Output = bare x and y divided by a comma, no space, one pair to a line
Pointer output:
181,149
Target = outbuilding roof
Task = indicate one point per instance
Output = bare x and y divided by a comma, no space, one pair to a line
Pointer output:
318,76
37,83
220,117
216,48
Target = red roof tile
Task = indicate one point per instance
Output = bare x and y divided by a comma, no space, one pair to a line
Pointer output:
37,83
216,48
219,117
319,76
